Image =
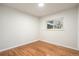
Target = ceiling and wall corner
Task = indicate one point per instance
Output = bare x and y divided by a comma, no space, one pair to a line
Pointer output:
34,10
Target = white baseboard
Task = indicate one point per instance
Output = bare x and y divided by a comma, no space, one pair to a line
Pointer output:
17,45
37,40
60,44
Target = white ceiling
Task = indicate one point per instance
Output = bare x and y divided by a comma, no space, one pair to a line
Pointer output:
35,10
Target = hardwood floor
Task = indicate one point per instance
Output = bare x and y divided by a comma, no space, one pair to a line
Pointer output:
40,48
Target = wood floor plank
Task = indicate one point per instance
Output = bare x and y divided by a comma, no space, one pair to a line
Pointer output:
40,48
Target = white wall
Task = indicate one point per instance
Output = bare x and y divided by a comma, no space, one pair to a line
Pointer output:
16,27
78,28
68,37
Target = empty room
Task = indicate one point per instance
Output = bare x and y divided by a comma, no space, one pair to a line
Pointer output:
39,29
